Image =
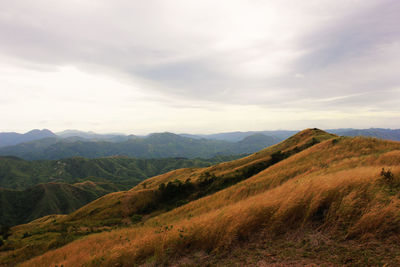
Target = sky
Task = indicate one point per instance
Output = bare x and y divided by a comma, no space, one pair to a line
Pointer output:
207,66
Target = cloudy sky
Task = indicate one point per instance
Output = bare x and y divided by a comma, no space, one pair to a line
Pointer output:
198,66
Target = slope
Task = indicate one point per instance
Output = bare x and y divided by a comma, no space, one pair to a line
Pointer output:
51,194
124,172
18,207
330,204
155,196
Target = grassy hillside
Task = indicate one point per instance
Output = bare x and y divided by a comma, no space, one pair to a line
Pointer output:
158,145
314,198
61,187
124,172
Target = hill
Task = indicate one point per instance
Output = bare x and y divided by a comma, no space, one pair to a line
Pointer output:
18,207
11,138
313,198
38,188
159,145
123,172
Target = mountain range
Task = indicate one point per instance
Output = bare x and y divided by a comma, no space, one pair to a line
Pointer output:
43,144
11,138
314,199
158,145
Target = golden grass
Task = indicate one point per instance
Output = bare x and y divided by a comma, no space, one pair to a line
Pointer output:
334,186
273,211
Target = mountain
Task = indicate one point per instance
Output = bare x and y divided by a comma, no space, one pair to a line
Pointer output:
314,198
72,143
92,136
387,134
18,207
158,145
238,136
253,143
11,138
123,172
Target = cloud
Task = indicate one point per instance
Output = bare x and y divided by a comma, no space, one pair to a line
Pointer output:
311,57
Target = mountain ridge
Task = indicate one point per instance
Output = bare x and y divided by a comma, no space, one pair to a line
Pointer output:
12,138
157,145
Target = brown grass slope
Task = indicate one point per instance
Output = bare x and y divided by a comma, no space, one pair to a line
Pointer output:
125,204
145,201
333,190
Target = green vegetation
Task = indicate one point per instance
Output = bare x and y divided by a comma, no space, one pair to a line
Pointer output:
160,145
51,198
39,188
123,172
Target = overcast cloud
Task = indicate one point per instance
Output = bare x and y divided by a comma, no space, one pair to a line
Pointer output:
199,66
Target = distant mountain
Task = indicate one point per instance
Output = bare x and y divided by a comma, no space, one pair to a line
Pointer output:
157,145
381,133
72,143
238,136
92,136
253,143
389,134
11,138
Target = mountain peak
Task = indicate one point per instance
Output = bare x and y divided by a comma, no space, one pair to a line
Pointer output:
312,132
10,139
46,132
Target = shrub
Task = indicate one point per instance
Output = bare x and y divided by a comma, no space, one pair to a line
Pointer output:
277,156
25,235
387,176
136,218
5,231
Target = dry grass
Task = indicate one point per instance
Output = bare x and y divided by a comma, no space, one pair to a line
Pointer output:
334,187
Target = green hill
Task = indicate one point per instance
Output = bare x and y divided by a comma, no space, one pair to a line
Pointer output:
18,207
124,172
39,188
